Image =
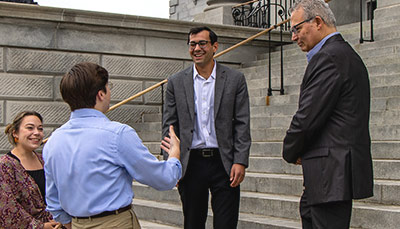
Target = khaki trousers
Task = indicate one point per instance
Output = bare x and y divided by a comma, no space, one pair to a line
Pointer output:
124,220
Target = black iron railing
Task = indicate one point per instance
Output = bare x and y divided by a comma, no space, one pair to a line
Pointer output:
21,1
262,14
371,6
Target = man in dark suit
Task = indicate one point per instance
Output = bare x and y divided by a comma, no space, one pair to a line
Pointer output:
329,134
208,105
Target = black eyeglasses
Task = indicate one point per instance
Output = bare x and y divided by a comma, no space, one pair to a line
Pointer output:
110,85
201,43
295,28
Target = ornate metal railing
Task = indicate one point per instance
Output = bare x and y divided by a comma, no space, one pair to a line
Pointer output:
262,13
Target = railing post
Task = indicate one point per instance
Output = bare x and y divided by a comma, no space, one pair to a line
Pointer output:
361,27
269,66
371,11
162,110
282,91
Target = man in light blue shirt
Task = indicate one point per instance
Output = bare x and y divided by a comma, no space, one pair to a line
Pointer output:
90,161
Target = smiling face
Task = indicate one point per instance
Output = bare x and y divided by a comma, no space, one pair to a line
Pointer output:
30,133
202,56
306,34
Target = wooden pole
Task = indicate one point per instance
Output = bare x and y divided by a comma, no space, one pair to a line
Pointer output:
137,95
250,38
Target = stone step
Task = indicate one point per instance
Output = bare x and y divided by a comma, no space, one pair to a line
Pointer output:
385,132
385,191
147,126
289,90
276,110
383,168
365,215
377,104
388,59
152,117
152,225
154,147
380,86
376,91
268,135
379,149
172,214
391,117
380,48
150,136
385,80
386,14
297,59
260,205
386,91
377,132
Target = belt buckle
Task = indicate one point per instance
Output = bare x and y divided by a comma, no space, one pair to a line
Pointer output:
207,152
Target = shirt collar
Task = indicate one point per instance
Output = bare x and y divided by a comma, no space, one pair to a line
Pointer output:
318,46
213,73
87,112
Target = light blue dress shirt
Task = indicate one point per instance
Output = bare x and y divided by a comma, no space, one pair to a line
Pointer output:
204,135
318,46
90,163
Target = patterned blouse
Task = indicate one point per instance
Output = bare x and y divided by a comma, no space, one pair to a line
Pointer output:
21,203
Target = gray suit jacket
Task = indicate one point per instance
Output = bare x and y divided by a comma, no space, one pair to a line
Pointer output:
330,130
231,112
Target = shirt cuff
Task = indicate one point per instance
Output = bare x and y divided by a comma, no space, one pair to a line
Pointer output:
178,164
62,217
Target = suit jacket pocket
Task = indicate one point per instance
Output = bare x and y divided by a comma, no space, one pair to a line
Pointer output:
314,165
320,152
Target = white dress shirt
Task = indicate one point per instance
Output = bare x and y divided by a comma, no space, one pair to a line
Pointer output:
204,135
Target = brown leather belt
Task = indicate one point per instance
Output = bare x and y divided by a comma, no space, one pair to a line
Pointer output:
106,213
208,152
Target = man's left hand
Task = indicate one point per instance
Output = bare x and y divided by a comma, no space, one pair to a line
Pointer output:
237,174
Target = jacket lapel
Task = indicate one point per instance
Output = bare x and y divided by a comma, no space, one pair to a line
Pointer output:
189,91
219,88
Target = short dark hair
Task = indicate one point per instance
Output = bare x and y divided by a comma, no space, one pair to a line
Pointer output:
16,124
81,84
196,30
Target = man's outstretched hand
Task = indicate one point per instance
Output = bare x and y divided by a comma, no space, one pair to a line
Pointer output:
171,144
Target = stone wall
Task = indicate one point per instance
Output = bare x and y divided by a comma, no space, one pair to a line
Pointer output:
345,11
39,44
185,10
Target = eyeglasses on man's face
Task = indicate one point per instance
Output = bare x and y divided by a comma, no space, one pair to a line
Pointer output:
110,85
202,44
295,28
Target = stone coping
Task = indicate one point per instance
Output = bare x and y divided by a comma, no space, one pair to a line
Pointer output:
83,17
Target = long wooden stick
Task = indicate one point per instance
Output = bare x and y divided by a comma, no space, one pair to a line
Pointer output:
137,95
251,38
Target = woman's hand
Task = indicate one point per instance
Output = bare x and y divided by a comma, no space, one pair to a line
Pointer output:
50,225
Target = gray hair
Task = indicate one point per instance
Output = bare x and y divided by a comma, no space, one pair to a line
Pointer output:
313,8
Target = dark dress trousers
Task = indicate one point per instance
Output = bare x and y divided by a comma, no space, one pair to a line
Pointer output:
330,130
232,127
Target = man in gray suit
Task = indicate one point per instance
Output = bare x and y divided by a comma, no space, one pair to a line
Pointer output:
329,134
208,104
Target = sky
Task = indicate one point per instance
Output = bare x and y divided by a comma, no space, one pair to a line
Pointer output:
150,8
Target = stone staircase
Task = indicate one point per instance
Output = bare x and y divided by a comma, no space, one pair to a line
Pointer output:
271,190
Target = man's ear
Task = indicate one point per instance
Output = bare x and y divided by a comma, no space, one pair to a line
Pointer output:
319,22
100,95
215,47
